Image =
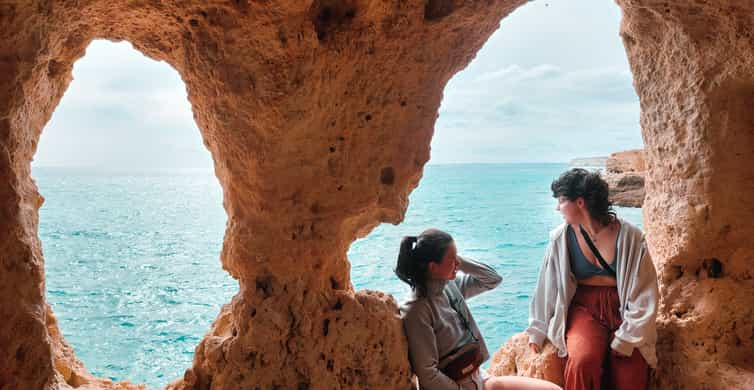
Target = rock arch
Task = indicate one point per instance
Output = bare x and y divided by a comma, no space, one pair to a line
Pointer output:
318,116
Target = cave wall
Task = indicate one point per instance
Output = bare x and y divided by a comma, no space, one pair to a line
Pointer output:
318,116
693,66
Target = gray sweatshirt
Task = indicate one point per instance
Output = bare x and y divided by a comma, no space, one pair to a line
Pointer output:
434,330
637,291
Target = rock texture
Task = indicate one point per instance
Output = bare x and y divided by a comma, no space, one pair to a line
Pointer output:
318,115
624,173
516,358
626,189
629,161
693,66
694,73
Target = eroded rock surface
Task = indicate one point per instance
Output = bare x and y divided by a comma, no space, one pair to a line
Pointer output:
624,173
626,162
516,358
626,189
318,115
693,66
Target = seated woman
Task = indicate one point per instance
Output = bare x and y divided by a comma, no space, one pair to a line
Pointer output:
596,297
445,346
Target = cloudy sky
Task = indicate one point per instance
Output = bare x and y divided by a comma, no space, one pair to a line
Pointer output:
550,85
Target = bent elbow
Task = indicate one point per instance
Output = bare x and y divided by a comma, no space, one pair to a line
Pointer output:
496,280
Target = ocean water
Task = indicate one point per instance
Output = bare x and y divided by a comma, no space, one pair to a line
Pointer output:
124,251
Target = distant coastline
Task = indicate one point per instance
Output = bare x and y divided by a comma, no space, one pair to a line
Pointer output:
597,162
624,173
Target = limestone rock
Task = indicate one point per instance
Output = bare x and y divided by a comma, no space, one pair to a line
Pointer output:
625,176
516,358
319,115
626,161
626,189
692,63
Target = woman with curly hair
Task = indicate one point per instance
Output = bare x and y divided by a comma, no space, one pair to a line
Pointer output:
596,296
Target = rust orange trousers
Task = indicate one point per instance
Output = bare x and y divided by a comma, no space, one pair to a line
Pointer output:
591,365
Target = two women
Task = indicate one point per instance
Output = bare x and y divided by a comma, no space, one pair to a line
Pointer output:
596,300
445,345
596,297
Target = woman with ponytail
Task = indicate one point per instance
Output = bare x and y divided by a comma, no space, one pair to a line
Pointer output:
444,342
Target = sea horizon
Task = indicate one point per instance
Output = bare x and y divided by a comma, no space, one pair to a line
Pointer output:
132,170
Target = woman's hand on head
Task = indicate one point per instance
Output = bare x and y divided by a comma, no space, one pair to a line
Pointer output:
534,347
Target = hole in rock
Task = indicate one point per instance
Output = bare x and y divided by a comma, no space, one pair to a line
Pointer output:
714,268
329,16
678,271
335,284
264,286
438,9
132,223
387,176
508,125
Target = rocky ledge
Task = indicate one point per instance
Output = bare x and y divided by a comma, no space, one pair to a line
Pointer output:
624,173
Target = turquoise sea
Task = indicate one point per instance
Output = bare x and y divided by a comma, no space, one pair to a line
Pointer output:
133,270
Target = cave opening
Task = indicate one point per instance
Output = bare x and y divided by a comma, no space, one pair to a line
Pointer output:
522,112
132,214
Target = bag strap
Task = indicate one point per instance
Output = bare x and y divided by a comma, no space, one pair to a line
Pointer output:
596,252
464,321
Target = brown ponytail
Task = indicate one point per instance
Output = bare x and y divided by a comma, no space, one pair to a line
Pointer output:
415,255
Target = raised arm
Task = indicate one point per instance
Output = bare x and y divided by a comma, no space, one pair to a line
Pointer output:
422,351
477,277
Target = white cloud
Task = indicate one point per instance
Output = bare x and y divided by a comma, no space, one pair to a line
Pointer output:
514,73
551,84
542,113
123,110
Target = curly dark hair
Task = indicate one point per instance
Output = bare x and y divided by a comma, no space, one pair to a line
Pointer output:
580,183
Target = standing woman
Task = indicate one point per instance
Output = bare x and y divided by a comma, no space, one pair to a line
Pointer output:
444,344
596,297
